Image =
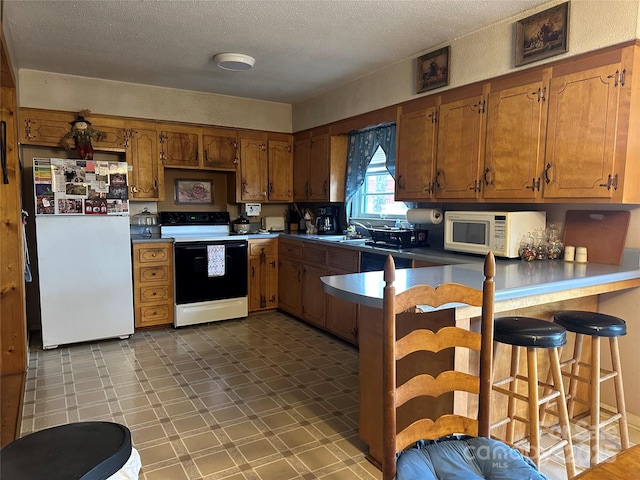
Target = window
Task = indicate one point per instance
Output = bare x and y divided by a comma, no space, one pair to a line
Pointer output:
375,198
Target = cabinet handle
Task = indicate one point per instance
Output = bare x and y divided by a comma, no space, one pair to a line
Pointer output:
134,189
611,182
27,128
270,187
206,156
253,272
487,182
244,187
154,293
532,186
438,184
476,186
400,182
155,184
546,173
324,187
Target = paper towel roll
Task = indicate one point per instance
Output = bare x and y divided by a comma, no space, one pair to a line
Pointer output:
424,216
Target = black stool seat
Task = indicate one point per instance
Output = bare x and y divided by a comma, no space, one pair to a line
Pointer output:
529,332
591,323
77,451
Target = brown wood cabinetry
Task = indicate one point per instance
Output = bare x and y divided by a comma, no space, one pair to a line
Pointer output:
319,166
460,126
342,316
514,146
146,178
263,274
180,145
416,155
219,149
580,159
153,283
314,300
266,167
290,276
44,127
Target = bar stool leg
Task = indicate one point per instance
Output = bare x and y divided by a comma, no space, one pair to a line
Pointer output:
595,400
534,417
511,406
565,427
617,382
575,370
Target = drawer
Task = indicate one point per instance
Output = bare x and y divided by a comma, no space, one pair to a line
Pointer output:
156,314
314,254
257,249
157,293
291,249
153,254
344,259
157,273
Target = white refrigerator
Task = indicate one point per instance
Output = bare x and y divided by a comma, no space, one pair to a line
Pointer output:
84,251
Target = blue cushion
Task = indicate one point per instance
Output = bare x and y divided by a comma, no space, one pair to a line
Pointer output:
464,458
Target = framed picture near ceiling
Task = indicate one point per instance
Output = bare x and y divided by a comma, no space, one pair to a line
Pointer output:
193,191
433,70
542,35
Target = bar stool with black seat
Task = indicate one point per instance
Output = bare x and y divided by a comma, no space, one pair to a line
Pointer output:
533,334
82,451
595,325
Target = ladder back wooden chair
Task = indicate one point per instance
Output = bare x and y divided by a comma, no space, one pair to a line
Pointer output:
452,444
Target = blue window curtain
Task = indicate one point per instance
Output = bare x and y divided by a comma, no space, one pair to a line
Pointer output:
362,146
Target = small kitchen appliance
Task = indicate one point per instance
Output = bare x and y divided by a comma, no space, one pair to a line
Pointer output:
327,221
273,224
398,237
484,232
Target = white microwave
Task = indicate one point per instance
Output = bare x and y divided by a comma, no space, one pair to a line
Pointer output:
484,232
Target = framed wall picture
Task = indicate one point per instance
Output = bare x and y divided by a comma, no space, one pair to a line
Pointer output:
193,191
433,70
542,35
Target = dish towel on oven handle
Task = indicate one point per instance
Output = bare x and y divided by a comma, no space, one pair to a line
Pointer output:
216,257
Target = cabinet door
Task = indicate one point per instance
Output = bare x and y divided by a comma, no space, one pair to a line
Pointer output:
314,299
179,147
581,133
416,155
44,128
146,178
458,149
220,149
114,135
253,169
301,154
263,275
319,169
290,285
280,171
514,142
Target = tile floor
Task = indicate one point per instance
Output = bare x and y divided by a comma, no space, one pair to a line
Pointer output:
264,398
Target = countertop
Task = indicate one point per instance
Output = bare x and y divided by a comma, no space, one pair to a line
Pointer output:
514,279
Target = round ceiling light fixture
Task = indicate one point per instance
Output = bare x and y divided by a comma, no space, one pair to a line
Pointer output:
236,62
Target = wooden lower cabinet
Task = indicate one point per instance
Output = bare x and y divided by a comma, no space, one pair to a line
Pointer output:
153,283
290,276
314,300
263,274
342,316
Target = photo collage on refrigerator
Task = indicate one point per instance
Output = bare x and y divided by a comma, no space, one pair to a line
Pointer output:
80,187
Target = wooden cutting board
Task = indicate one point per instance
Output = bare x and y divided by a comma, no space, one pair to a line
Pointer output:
604,233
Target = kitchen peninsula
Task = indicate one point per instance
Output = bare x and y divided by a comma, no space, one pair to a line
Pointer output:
535,289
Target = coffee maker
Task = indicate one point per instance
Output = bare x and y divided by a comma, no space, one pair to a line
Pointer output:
327,221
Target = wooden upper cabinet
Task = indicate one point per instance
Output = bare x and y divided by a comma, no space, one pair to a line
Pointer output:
301,155
460,125
319,168
514,145
180,145
146,178
416,155
313,172
280,172
253,167
220,148
41,127
581,137
114,134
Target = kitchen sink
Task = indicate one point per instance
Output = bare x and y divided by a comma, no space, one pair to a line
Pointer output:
341,239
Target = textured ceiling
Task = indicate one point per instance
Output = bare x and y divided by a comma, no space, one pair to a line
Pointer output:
302,47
